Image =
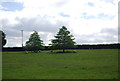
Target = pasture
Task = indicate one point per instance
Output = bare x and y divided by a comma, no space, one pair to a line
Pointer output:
85,64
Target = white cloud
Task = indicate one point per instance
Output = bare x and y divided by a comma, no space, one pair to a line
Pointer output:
44,16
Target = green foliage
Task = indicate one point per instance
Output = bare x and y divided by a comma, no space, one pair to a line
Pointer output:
3,36
85,64
34,43
63,40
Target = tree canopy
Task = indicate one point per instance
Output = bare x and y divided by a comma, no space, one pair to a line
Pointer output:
3,36
34,43
63,40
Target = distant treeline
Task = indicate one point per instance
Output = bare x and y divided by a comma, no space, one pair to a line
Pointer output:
98,46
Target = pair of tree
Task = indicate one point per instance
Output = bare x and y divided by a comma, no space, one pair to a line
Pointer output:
63,40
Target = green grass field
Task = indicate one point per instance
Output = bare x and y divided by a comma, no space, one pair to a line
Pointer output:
85,64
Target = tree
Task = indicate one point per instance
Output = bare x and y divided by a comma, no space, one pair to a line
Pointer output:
34,43
63,40
3,36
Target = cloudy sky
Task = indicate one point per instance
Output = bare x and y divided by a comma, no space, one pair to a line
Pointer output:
89,21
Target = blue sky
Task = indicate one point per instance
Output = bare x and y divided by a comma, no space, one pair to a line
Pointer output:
91,4
11,6
64,15
90,21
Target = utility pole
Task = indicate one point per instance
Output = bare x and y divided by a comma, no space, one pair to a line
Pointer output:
22,37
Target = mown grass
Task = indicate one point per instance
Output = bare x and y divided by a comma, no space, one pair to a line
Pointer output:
85,64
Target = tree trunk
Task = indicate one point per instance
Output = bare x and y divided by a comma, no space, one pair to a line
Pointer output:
63,50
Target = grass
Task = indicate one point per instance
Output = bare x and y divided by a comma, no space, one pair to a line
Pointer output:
85,64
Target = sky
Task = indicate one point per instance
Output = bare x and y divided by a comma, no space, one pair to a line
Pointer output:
89,21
